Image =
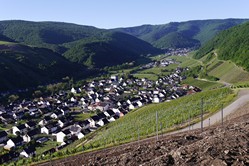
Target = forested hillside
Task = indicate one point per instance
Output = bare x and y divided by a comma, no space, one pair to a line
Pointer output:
23,66
111,48
231,44
83,44
183,34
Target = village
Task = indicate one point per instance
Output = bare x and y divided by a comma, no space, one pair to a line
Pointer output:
53,118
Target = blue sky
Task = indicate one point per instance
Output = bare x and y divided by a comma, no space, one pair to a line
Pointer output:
122,13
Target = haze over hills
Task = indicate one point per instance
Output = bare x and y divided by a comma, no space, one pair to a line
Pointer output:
181,34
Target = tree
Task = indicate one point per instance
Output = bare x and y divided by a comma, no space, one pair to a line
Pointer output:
13,98
37,93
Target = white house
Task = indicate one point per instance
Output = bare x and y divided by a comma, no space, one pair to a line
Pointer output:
92,122
31,125
21,128
13,142
80,135
156,99
28,152
50,128
133,106
30,135
73,90
139,103
60,137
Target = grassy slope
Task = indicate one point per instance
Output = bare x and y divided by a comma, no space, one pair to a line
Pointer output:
229,72
226,71
204,85
141,122
231,44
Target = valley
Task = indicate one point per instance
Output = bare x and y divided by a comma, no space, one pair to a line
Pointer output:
78,91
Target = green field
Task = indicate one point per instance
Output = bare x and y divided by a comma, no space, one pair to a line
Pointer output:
142,122
229,72
155,72
84,116
6,43
46,146
204,85
226,71
152,77
186,61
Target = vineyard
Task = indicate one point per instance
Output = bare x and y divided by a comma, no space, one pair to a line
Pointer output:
178,113
203,84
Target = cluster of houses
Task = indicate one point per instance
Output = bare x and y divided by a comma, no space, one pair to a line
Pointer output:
52,118
161,63
179,51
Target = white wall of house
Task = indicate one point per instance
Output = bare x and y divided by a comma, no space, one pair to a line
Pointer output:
23,153
156,100
14,130
131,107
101,123
111,119
60,137
44,130
80,135
92,122
26,138
61,124
54,116
10,143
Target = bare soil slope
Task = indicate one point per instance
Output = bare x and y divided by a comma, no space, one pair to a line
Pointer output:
216,145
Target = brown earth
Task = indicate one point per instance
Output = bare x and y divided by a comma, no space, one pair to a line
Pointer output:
217,145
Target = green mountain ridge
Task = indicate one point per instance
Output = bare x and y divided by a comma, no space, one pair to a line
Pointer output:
194,33
116,47
231,44
22,66
78,43
35,46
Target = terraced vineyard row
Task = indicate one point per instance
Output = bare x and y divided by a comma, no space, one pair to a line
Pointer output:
142,122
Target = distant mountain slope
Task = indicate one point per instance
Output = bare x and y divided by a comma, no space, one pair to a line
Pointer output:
83,44
110,49
45,34
193,33
22,66
231,44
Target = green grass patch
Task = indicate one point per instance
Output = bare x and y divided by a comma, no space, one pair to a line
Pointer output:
46,146
158,57
84,116
6,43
229,72
204,85
152,77
186,61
